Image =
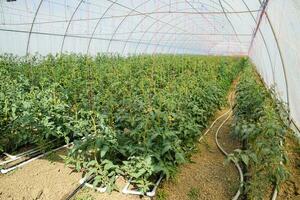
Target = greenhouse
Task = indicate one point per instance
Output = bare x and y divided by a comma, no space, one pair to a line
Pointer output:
151,99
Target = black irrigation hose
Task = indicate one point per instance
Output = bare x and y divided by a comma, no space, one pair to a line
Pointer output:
78,188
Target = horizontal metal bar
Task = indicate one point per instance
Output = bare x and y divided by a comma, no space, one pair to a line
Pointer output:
83,37
138,14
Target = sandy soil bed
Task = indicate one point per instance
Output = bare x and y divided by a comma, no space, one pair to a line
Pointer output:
47,179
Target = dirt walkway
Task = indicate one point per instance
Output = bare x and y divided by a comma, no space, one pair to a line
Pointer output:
207,177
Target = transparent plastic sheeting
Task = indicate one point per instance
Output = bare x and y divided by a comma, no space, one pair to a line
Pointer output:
128,26
209,27
277,54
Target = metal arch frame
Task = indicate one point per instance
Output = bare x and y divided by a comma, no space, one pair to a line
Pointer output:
157,44
200,40
69,23
188,40
263,6
147,28
220,2
72,20
137,25
263,38
170,47
142,35
200,14
163,36
31,28
281,58
113,3
189,3
147,15
159,41
183,45
174,48
283,64
97,24
153,34
73,36
138,14
144,14
119,25
152,37
229,45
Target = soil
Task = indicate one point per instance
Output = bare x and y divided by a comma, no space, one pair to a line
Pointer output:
46,178
290,190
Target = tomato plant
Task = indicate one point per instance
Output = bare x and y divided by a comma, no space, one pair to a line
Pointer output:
259,123
137,116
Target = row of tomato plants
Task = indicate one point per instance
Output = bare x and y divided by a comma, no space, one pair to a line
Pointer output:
137,116
260,123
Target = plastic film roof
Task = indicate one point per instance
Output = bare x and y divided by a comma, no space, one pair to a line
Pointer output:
128,26
266,30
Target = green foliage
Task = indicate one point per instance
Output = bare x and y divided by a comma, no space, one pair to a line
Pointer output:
29,114
259,124
140,169
137,116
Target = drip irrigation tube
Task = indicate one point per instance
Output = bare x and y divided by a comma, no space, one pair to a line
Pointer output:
25,153
213,124
4,171
275,193
82,183
85,181
239,192
151,193
229,112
